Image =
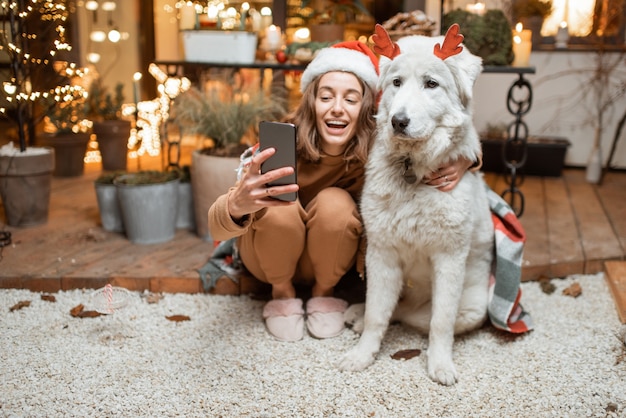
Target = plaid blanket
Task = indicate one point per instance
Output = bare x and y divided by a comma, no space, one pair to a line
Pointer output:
505,310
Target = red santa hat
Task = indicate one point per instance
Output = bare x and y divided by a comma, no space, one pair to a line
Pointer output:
353,56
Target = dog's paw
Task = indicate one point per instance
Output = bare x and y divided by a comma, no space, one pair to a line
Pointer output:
443,373
355,360
353,317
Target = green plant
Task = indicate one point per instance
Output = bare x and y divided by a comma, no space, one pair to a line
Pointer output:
332,11
109,177
527,8
68,115
102,104
225,119
488,36
147,177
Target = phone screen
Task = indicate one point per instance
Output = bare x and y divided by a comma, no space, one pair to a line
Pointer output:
282,137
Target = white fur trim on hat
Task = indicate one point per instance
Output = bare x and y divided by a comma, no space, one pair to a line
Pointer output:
340,59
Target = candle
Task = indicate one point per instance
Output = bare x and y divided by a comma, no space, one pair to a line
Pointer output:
562,36
266,17
273,37
476,8
137,87
256,20
244,14
522,45
187,16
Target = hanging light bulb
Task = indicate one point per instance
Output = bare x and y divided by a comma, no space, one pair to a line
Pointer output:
98,36
114,35
109,6
91,5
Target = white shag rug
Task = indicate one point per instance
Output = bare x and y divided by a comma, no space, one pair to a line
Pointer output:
222,362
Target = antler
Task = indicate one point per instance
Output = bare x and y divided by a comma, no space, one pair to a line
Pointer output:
383,44
451,43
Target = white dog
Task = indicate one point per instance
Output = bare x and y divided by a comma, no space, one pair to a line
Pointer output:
429,252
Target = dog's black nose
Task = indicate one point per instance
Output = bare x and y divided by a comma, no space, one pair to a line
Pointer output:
399,122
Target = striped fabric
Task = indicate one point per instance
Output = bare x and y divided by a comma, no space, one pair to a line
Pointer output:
505,310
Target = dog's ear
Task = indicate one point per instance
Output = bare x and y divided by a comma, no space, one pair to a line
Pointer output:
465,67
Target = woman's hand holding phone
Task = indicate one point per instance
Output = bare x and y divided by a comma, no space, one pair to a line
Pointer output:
252,193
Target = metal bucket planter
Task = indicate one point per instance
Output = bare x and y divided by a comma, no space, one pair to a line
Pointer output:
185,218
25,183
108,203
149,208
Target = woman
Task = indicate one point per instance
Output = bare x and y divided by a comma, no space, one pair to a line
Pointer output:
316,239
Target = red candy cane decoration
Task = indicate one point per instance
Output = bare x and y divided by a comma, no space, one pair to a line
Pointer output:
108,292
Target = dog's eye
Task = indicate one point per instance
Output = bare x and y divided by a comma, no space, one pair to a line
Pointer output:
431,84
397,82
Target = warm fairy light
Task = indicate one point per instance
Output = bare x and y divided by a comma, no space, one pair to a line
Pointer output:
146,138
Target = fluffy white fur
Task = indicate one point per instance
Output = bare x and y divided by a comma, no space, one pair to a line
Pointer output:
429,252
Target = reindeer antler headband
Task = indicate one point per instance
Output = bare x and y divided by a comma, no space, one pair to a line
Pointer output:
383,44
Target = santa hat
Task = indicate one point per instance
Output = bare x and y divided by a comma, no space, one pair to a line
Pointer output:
354,57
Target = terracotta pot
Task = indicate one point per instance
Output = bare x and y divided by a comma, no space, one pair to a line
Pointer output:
112,137
211,177
69,152
25,183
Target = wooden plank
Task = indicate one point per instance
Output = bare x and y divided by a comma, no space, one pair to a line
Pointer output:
536,261
566,253
596,234
615,273
612,193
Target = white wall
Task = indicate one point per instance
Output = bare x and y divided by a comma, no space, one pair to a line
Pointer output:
558,108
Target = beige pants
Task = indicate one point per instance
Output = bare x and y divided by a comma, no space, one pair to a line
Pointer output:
318,243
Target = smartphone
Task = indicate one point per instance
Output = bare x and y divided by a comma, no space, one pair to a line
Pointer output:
282,137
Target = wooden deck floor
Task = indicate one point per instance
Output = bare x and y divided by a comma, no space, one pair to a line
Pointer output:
572,227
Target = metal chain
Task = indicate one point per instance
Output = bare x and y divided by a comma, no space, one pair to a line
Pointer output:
515,149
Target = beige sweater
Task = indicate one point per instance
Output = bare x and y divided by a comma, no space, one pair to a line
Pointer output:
312,178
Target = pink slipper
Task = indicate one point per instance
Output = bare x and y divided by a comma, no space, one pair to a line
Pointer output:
284,319
325,316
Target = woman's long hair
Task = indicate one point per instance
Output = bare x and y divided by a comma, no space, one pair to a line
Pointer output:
308,138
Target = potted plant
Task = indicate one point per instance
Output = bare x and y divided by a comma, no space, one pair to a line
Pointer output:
327,18
112,132
148,202
225,121
67,131
532,13
32,43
